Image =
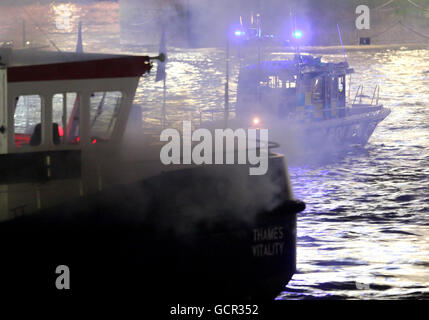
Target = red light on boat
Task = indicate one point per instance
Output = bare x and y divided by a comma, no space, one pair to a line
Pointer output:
60,131
94,141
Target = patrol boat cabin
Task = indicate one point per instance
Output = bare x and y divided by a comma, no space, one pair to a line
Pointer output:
306,90
307,95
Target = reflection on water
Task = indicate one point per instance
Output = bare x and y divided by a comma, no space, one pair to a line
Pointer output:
365,232
367,217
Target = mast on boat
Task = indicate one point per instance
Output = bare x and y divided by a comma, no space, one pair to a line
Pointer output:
24,34
79,46
162,75
74,116
226,111
3,108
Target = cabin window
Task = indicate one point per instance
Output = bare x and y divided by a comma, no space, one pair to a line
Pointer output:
318,91
341,84
66,118
27,120
334,86
104,114
289,84
275,82
270,82
264,83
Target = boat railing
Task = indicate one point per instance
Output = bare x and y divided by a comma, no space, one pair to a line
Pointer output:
310,115
360,95
376,89
175,121
213,112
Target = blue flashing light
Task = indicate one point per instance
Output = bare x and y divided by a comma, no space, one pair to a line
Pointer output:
239,33
297,34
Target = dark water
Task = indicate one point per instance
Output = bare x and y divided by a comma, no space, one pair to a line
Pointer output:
365,232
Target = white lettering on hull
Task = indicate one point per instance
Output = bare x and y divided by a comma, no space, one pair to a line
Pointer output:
269,249
268,234
268,241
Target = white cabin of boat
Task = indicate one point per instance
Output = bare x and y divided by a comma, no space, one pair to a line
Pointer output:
56,107
64,101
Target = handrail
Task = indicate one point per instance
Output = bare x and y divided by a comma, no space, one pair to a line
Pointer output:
215,110
357,92
360,96
378,96
350,85
373,95
212,111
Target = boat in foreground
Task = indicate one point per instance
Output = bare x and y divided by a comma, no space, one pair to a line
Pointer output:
78,190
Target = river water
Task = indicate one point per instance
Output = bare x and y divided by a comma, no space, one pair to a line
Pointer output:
365,232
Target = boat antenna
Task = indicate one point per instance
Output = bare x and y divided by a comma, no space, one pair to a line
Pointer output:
161,74
345,57
295,34
259,39
74,115
79,45
24,34
341,42
227,57
259,35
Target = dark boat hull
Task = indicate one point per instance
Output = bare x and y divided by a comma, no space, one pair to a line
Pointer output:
146,238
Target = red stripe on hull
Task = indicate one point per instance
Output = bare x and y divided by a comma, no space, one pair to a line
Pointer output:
122,67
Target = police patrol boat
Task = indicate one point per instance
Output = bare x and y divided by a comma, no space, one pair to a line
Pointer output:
303,103
78,189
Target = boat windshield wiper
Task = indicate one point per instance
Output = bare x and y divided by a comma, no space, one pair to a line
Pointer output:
99,109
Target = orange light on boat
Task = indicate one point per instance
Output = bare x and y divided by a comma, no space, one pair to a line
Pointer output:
256,121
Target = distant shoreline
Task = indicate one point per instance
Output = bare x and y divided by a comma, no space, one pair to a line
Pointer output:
304,49
348,48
